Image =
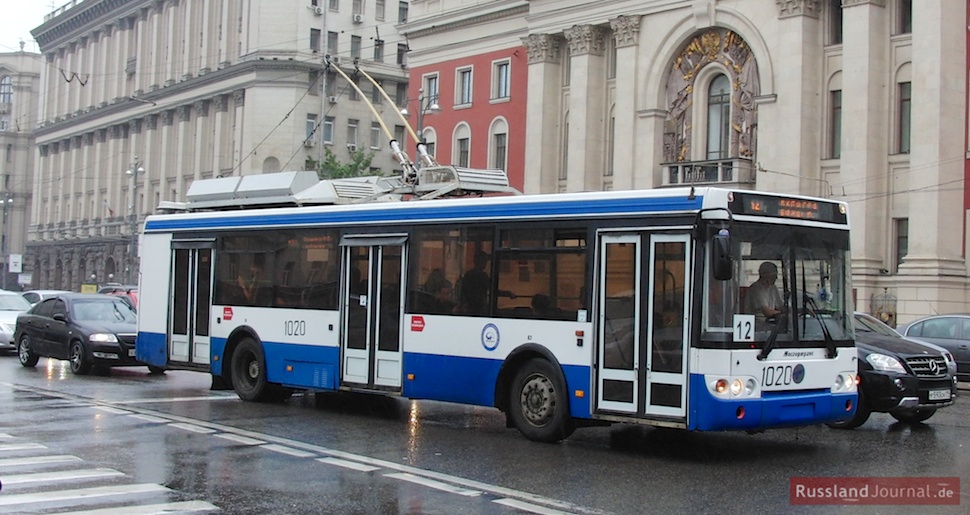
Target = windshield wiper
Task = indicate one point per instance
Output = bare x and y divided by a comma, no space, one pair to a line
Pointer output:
812,308
781,320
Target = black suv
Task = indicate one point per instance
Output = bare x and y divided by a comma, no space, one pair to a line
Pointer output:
906,378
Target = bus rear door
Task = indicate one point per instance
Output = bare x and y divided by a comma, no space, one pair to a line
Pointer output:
371,305
190,304
642,330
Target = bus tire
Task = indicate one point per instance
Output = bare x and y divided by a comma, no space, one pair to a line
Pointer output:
249,372
538,404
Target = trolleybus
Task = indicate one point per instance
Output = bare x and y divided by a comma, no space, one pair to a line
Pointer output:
561,310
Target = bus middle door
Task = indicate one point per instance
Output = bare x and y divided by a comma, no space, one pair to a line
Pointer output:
190,304
371,305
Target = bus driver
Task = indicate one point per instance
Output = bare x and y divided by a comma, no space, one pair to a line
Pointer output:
763,298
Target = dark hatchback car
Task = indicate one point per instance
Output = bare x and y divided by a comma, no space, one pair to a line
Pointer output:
952,332
908,379
87,329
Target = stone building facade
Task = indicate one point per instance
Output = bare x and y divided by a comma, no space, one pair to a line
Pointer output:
857,100
143,97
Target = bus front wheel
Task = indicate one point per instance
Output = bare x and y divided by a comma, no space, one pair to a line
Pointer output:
249,371
538,405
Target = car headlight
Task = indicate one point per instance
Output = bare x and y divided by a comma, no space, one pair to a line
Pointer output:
103,338
885,363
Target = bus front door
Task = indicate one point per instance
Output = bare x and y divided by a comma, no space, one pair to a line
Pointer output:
190,303
371,304
642,329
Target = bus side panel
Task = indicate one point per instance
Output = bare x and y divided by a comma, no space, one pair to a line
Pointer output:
154,277
302,366
451,378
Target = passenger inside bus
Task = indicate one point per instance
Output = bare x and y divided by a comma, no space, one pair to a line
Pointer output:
762,298
473,287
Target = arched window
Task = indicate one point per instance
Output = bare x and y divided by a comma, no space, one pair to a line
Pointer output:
498,144
719,118
430,139
6,90
462,146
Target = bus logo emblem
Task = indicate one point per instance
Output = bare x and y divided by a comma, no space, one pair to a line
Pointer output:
490,337
417,324
227,313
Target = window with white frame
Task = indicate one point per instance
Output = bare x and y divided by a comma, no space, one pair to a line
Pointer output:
464,146
402,12
334,5
835,124
463,86
431,89
905,107
311,126
375,94
905,17
358,7
375,135
379,50
6,90
379,10
835,22
328,129
314,40
498,144
500,79
332,42
355,43
461,149
902,239
352,132
719,118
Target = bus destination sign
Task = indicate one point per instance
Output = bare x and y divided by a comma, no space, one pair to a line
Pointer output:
786,207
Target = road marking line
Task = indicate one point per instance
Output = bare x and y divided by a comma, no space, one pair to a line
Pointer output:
4,436
37,460
61,475
114,411
80,493
178,399
288,450
348,464
240,439
21,447
437,485
531,508
151,509
191,427
149,418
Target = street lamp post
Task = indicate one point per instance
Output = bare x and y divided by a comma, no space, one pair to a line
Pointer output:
425,105
136,168
7,200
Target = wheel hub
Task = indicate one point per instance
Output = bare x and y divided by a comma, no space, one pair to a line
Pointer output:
538,400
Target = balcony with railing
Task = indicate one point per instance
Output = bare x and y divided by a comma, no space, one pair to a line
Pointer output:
734,172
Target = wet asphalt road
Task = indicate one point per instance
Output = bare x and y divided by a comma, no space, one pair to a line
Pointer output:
133,442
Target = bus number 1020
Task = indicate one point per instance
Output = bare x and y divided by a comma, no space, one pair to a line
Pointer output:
294,327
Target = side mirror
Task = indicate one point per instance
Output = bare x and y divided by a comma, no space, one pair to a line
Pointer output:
721,261
60,317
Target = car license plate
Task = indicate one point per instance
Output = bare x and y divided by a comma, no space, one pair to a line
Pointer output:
939,395
131,354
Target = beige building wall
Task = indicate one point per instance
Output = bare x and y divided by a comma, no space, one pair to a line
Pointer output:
141,98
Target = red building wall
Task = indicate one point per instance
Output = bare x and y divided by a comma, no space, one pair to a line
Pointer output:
483,110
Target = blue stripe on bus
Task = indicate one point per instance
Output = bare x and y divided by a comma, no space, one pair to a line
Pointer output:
472,381
431,212
151,349
708,413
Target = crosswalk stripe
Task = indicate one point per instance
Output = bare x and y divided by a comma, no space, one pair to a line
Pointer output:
437,485
529,507
288,450
353,465
245,440
21,447
113,411
191,427
36,460
151,509
61,475
80,494
149,418
4,436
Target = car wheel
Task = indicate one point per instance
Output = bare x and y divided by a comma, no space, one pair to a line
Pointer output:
538,405
249,372
913,416
27,358
152,369
80,364
862,413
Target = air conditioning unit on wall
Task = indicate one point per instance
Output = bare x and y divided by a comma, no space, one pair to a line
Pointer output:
333,99
358,18
309,143
352,147
317,10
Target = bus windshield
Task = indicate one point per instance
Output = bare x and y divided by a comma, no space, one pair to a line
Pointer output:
795,281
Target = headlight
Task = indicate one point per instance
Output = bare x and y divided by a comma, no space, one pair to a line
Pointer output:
103,338
885,363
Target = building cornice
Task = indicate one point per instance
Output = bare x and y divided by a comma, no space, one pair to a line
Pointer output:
460,19
852,3
792,8
69,24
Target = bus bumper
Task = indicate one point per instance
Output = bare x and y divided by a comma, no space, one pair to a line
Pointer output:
786,409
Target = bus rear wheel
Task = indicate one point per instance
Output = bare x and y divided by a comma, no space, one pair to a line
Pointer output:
538,405
249,372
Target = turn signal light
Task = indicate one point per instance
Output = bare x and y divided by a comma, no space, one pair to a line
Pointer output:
721,386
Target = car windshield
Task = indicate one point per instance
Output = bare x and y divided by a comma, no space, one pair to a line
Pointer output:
870,325
13,303
111,310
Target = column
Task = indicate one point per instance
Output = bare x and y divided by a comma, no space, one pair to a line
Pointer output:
172,33
239,103
166,151
587,108
229,32
864,136
201,163
107,88
626,34
187,63
220,159
543,113
206,23
154,80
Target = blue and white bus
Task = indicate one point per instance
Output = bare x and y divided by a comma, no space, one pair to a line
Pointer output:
561,310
